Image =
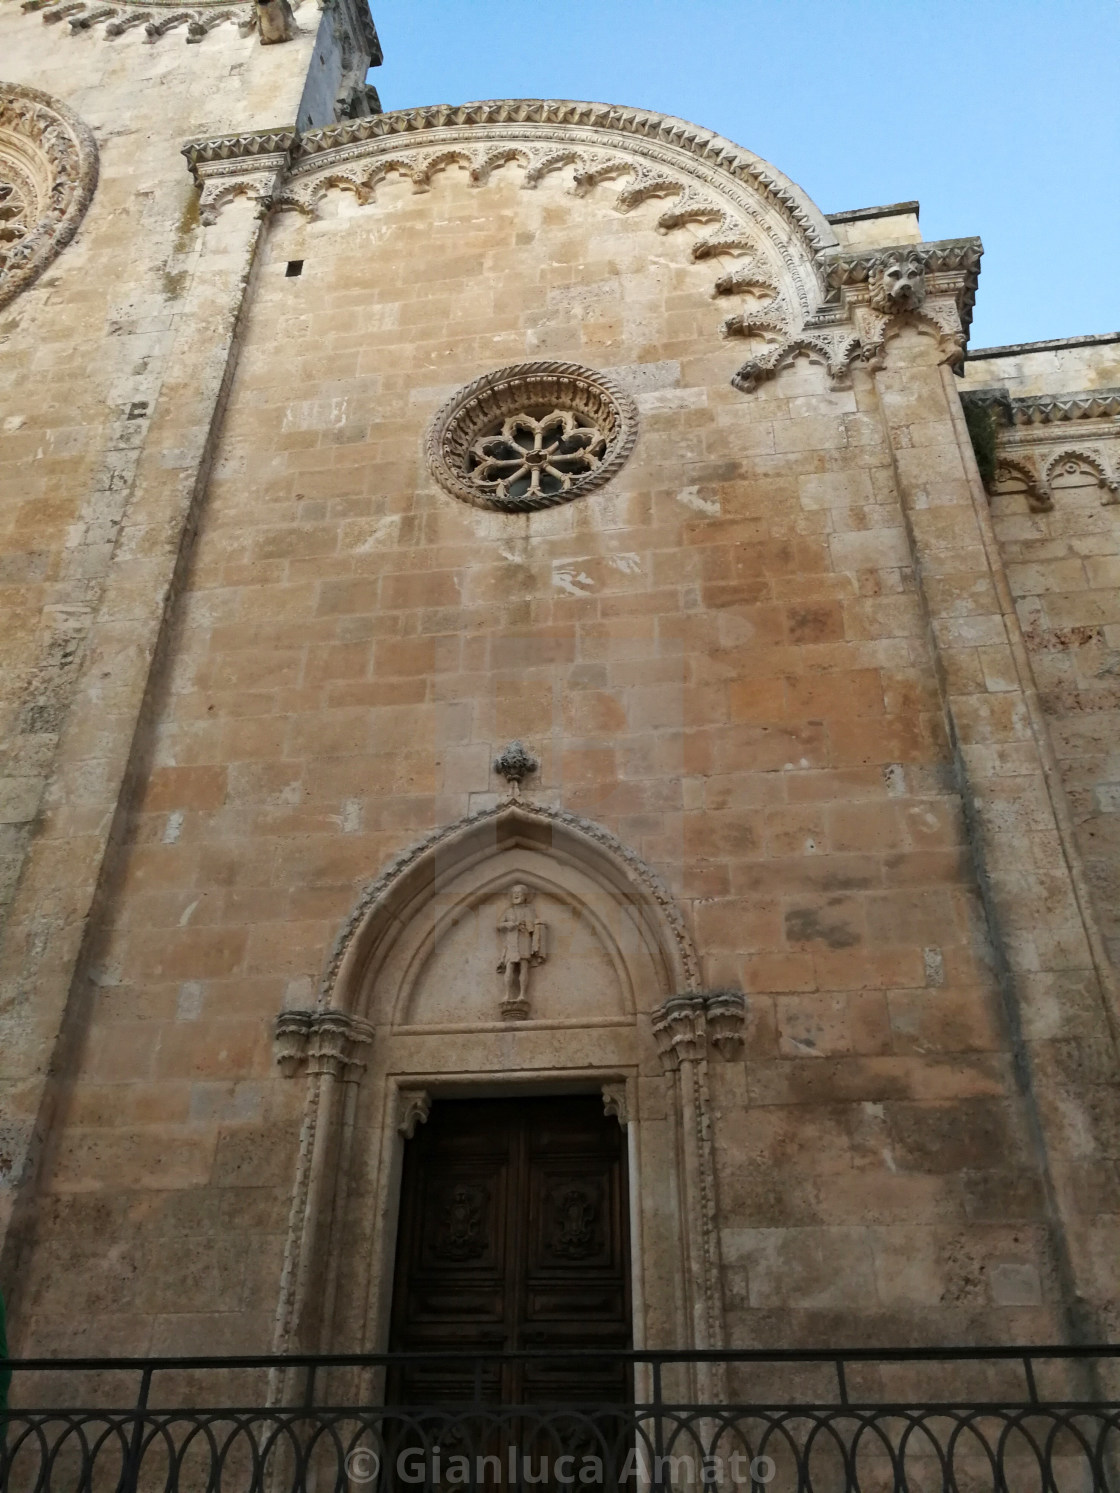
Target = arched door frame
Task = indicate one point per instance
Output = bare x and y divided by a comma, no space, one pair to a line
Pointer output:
369,1085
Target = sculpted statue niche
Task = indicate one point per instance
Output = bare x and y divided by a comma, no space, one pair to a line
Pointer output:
522,937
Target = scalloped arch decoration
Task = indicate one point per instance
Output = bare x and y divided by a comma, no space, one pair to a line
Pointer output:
741,204
1078,461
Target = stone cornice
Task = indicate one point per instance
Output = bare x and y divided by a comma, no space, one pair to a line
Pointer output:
249,145
710,148
823,301
1046,409
951,265
252,164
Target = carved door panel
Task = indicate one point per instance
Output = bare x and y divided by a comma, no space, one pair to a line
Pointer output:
513,1234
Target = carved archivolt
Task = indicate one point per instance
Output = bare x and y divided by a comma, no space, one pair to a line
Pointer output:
48,172
742,206
391,946
818,300
531,436
513,821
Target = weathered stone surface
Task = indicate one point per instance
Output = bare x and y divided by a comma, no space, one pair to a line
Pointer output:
808,896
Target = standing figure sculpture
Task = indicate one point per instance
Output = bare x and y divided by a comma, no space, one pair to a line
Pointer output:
522,941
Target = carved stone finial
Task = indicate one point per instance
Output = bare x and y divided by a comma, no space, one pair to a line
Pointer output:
898,284
522,936
413,1108
515,764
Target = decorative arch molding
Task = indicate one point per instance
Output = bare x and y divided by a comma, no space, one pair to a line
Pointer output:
1084,460
824,301
375,1057
48,174
411,880
1022,469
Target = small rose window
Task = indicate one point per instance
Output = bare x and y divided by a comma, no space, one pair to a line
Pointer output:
531,436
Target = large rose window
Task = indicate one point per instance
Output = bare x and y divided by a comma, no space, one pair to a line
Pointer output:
531,436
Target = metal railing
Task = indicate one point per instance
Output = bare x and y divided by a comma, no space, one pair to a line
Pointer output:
1016,1420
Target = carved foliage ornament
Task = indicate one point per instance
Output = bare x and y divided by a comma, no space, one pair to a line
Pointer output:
48,172
531,436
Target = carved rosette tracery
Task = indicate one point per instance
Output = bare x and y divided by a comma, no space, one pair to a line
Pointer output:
531,436
48,173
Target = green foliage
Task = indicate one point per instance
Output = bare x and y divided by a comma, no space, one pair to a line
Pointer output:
983,424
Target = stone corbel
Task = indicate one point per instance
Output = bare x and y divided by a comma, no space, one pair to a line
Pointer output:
252,165
685,1025
615,1103
413,1108
870,295
931,286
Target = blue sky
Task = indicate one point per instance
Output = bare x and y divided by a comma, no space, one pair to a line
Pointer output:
1001,116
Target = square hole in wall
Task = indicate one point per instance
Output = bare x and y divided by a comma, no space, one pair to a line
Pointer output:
295,267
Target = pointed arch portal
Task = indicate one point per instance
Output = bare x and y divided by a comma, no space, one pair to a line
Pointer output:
415,1005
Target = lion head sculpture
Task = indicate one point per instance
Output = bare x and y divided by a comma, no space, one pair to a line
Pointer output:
899,284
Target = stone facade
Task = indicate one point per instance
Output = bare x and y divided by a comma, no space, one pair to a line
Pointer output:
798,746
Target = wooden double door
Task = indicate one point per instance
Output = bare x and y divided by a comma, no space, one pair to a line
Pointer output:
513,1235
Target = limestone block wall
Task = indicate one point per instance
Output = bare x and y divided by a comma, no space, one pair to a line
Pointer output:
86,350
114,368
725,657
1056,511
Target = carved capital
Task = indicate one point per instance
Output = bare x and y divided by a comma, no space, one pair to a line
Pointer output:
413,1108
685,1025
680,1031
725,1011
326,1042
291,1032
